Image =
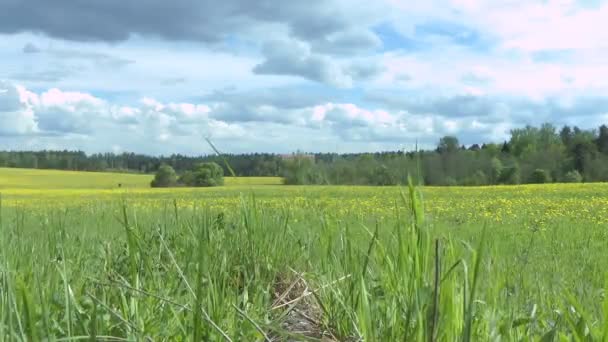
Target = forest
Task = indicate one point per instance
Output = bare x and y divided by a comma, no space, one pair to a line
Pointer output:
542,154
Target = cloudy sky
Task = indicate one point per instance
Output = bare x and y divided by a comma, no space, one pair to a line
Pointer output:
159,76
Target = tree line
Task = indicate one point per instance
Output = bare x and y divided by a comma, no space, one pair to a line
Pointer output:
531,155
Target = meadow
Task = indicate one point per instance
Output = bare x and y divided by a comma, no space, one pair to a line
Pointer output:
81,259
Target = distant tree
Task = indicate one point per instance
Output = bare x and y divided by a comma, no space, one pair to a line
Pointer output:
187,178
206,174
583,152
382,176
566,136
547,137
495,170
165,177
299,170
448,144
510,175
450,181
573,177
602,139
523,140
479,178
531,148
540,176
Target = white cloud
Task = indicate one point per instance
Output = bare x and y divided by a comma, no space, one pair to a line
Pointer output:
16,116
349,114
466,67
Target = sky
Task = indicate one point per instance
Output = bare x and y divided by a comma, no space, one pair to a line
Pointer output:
158,77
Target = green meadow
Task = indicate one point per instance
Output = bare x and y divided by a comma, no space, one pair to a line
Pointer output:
81,259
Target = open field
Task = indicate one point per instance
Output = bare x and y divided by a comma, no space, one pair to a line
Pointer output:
13,178
348,263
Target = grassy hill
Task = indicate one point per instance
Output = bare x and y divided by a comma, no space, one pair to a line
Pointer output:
54,179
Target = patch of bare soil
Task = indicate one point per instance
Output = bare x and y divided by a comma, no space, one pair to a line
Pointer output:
300,313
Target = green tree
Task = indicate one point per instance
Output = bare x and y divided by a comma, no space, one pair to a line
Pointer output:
207,174
602,139
187,178
566,135
510,175
448,144
540,176
479,178
583,153
165,177
523,140
573,177
495,170
382,176
302,170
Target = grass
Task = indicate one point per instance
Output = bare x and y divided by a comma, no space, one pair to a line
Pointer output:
13,178
246,263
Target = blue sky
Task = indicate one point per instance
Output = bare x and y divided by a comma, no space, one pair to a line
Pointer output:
275,76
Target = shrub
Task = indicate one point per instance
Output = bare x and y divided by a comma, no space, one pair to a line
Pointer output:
495,170
540,176
477,179
382,176
206,174
301,170
450,181
573,177
165,177
187,178
510,175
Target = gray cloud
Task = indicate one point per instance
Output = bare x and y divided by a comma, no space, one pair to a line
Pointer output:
338,117
456,106
30,48
54,75
581,106
403,77
291,58
280,97
453,106
197,20
233,113
348,42
62,121
173,81
99,59
492,109
364,70
67,63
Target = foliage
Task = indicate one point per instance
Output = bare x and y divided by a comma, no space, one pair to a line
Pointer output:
540,176
448,144
165,177
495,170
556,151
186,178
479,178
510,175
212,264
204,175
573,177
301,170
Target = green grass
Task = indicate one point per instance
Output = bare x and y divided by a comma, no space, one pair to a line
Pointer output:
249,262
13,178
